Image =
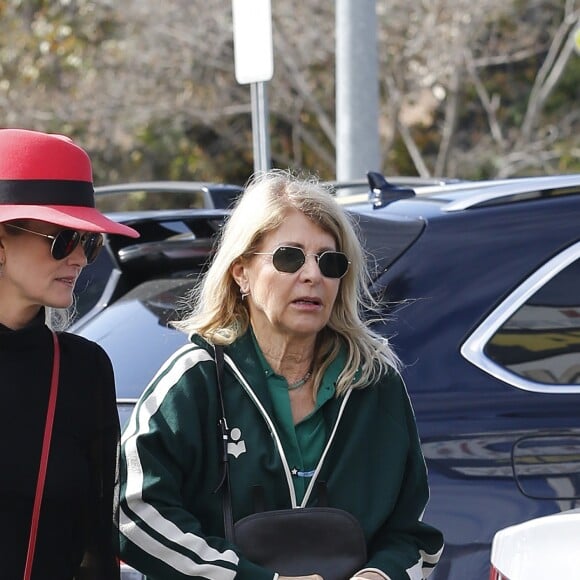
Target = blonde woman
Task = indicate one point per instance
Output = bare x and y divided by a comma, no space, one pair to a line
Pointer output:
311,395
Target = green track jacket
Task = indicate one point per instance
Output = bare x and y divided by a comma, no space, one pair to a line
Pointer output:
171,519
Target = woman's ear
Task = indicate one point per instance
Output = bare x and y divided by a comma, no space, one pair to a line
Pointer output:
238,270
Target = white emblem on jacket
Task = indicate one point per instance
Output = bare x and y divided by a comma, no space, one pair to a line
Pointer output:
236,445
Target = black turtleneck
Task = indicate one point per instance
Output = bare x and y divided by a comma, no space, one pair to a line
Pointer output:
76,518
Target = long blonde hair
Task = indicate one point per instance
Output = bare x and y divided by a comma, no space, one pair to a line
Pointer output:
218,313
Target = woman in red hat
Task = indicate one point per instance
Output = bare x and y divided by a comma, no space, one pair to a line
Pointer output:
59,431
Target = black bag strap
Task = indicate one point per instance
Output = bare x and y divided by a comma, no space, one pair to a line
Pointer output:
225,434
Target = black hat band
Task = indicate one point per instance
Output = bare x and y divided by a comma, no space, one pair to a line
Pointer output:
46,192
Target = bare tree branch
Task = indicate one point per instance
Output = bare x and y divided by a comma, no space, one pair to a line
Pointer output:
298,82
489,105
560,50
413,150
450,122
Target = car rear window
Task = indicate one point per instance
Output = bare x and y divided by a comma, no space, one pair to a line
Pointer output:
386,238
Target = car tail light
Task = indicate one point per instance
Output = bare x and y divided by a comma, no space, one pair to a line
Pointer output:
495,574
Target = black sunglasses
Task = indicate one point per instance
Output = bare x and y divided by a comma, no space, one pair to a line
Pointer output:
65,242
290,259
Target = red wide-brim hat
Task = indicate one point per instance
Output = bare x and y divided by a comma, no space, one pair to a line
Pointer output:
49,178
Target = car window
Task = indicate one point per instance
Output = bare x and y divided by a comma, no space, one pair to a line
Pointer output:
225,198
541,340
91,283
532,339
140,200
385,240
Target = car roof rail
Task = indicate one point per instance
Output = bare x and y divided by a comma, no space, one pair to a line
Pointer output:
382,193
517,189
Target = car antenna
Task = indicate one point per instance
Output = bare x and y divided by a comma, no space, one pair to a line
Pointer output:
381,192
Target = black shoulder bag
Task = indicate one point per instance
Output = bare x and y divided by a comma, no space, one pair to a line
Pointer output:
292,542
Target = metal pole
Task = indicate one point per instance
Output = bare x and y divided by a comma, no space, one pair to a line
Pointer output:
260,132
357,92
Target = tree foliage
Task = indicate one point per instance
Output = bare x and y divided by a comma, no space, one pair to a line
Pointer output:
468,89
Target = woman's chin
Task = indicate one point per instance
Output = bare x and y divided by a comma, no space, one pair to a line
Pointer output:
63,301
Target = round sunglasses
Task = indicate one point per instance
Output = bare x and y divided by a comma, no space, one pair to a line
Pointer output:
65,242
289,259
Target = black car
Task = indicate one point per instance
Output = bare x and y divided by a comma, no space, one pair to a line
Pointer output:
480,288
124,201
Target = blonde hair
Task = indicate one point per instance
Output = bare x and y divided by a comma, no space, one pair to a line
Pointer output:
219,315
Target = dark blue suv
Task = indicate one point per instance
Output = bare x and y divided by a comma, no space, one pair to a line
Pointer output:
480,285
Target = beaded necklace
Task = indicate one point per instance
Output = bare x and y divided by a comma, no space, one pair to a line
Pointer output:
300,382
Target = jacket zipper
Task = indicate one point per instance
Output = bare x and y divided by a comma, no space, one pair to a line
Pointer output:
278,442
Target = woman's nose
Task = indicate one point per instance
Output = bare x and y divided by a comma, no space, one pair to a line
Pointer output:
78,257
310,269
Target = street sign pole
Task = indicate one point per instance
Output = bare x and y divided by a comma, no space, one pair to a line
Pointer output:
254,65
260,133
357,89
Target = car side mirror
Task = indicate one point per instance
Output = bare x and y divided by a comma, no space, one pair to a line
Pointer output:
548,466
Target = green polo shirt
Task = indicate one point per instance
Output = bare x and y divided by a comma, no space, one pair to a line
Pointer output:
303,443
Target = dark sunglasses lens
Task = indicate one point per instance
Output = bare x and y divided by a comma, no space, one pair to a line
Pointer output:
333,264
66,241
64,244
92,245
287,259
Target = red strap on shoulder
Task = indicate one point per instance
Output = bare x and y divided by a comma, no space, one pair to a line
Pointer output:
44,457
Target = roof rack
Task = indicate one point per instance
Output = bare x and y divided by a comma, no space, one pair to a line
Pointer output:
411,181
517,190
